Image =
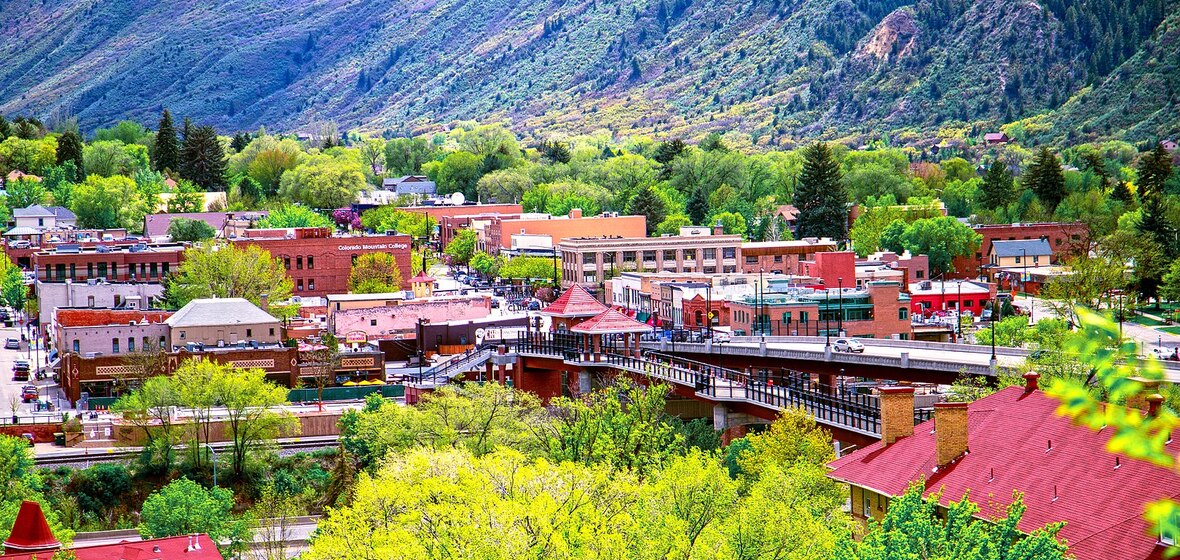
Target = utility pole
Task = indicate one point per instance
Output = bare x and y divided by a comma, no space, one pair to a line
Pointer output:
840,318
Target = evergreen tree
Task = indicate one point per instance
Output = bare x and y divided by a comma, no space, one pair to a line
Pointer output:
202,158
998,190
240,141
1122,193
1155,168
1046,180
665,153
167,151
820,196
713,143
555,152
697,207
5,128
69,148
648,203
1154,223
184,132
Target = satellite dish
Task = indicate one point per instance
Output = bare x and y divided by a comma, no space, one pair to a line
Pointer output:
458,199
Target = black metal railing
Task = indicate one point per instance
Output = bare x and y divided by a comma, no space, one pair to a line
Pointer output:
457,365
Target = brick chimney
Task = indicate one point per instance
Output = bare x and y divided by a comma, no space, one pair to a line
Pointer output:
264,302
575,213
950,430
897,413
718,228
1031,381
1140,399
1154,402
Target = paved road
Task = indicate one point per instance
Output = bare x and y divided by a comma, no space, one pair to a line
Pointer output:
10,389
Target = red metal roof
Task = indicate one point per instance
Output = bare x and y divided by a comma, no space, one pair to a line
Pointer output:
30,531
1016,441
421,278
608,322
170,548
575,302
100,317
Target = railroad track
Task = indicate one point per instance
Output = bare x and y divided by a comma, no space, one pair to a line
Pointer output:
110,455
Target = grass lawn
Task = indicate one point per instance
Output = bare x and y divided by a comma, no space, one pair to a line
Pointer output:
1141,320
1170,330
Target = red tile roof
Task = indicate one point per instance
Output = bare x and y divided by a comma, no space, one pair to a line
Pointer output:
1016,441
170,548
609,322
575,302
30,531
100,317
421,278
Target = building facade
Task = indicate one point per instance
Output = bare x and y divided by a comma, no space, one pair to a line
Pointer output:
589,260
877,310
220,322
379,321
54,295
92,332
782,257
966,295
500,230
136,263
1064,239
319,263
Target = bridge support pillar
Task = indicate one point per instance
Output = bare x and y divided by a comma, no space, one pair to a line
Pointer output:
487,371
827,382
584,387
905,359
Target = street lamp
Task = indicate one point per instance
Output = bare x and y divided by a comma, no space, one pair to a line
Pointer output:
827,318
422,322
959,308
840,318
709,308
994,319
555,271
214,452
761,304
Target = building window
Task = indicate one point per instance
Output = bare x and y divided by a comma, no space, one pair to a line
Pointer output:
629,256
310,262
1017,260
146,343
728,252
89,270
272,332
298,263
61,271
867,503
130,344
709,253
249,333
921,274
311,284
73,271
1036,259
778,258
372,322
114,346
669,254
968,303
287,262
163,269
77,349
182,335
903,314
690,254
299,285
803,317
153,270
750,259
589,258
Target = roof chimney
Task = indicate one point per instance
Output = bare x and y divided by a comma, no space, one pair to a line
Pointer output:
950,431
718,228
1031,381
264,302
575,213
1154,402
1140,399
897,413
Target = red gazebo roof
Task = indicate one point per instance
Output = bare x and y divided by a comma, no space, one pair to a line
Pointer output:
421,278
611,321
575,302
30,531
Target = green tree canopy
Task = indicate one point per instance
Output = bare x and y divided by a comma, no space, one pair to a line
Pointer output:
1046,179
228,270
202,158
649,204
323,182
375,273
184,229
294,216
462,247
942,239
166,153
185,507
70,148
107,202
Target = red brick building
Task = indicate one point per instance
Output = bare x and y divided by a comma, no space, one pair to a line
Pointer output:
878,310
1066,239
782,257
319,263
834,268
141,263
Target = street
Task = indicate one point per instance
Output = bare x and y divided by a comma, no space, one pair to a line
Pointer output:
10,390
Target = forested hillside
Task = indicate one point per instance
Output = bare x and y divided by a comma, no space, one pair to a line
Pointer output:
775,70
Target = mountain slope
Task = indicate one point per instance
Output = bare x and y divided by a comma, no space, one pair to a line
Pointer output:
775,69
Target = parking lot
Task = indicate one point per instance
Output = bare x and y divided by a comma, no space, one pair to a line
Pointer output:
11,389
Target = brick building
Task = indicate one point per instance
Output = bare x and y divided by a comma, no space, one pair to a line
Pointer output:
782,257
877,310
320,263
832,269
86,331
588,260
138,263
394,319
1065,239
970,296
128,295
499,231
448,226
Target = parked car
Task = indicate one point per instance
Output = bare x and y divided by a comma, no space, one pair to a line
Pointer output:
848,345
12,343
19,244
722,336
28,393
1161,353
534,305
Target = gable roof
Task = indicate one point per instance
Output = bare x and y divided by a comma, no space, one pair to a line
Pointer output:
575,302
214,312
1017,441
611,321
34,211
1021,247
409,184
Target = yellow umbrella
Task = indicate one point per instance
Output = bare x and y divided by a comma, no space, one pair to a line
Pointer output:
349,384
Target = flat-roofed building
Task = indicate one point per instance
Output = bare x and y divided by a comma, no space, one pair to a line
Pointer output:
500,231
590,260
782,257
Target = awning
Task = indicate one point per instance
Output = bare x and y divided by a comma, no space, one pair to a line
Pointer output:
643,316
